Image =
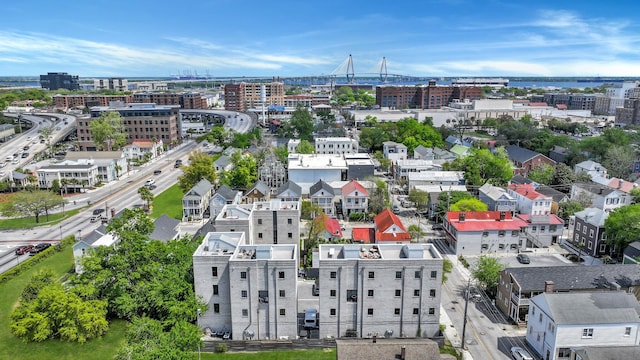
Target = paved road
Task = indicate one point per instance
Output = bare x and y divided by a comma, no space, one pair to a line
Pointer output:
236,121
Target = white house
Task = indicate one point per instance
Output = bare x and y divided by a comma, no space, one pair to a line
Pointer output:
529,201
394,151
139,148
559,322
336,145
602,197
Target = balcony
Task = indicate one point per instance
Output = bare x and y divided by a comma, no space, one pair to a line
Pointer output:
519,300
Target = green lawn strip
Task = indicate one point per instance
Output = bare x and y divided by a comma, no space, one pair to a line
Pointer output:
169,202
14,348
320,354
30,222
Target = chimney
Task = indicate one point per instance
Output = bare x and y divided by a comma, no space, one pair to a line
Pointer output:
461,216
375,338
549,286
620,184
502,215
403,353
601,191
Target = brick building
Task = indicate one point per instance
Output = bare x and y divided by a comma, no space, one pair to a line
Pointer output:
244,96
431,96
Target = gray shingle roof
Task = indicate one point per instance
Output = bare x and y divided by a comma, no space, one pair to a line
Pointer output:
200,188
584,308
633,250
594,188
290,185
164,228
555,194
222,161
422,150
576,277
494,192
226,192
520,154
609,352
321,185
592,216
263,188
519,179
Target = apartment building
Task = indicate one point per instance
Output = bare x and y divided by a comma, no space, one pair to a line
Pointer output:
243,96
250,290
60,80
383,290
235,218
118,84
276,222
431,96
483,232
72,176
188,100
65,102
336,145
140,121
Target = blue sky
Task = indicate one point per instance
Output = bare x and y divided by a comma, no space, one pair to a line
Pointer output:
301,37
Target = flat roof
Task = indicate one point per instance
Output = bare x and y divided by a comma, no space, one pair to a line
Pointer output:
220,243
379,252
266,252
235,212
316,161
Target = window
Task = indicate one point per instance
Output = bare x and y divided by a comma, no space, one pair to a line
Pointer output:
578,227
370,293
281,275
417,275
501,233
245,313
290,235
416,292
500,246
485,233
214,271
434,274
216,308
484,247
332,293
243,293
332,275
243,274
398,292
283,312
515,233
542,227
259,221
372,275
540,317
352,295
627,331
370,311
396,311
398,274
591,232
432,311
587,333
281,293
259,235
432,292
332,312
534,228
215,289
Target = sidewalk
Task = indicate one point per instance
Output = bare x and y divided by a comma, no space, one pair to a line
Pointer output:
451,333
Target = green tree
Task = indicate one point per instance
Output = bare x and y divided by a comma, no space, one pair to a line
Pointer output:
302,123
568,208
148,339
635,195
563,178
108,129
305,147
244,172
415,232
344,96
470,204
623,227
282,154
55,186
309,211
447,267
146,195
618,160
31,203
420,198
200,167
542,174
445,199
487,272
372,138
56,312
482,166
379,197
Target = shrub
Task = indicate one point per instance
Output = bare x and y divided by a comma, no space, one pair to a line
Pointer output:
221,348
463,261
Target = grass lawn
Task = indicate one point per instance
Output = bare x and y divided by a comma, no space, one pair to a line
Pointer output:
30,222
323,354
169,202
13,348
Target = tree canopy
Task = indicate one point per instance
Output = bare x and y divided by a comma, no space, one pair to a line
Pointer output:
31,203
108,129
487,272
482,166
244,172
305,147
200,167
470,204
623,226
408,131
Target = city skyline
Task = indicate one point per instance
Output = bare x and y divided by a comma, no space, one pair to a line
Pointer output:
294,38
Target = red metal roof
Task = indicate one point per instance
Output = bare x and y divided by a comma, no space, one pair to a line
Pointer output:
553,219
622,185
352,186
365,235
484,221
384,221
527,190
561,107
331,225
538,104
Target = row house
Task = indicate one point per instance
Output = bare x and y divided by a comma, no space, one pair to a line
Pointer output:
250,290
276,222
331,229
235,218
497,198
196,201
483,232
517,285
555,328
222,164
322,195
542,231
587,232
289,191
381,289
394,151
340,199
390,229
529,201
307,169
355,199
258,192
223,196
601,197
590,168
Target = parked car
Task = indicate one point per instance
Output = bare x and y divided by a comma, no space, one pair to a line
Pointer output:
23,249
395,209
157,172
25,148
519,353
437,227
25,154
310,319
523,259
39,248
315,289
151,187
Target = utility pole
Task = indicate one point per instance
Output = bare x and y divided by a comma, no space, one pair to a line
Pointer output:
466,306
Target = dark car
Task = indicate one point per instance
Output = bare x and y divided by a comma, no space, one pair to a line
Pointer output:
23,249
523,259
25,148
39,248
97,211
25,154
157,172
437,227
151,187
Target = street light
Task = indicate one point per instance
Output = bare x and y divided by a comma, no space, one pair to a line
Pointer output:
466,305
198,323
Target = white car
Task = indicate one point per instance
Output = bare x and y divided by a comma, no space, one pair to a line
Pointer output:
15,161
519,353
150,182
3,164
